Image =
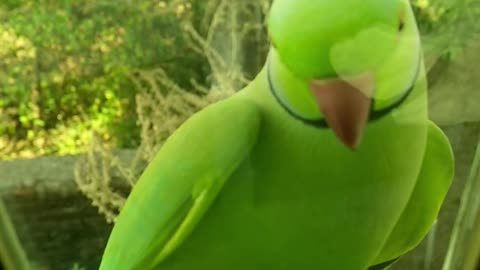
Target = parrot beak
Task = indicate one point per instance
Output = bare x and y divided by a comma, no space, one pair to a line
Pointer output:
345,104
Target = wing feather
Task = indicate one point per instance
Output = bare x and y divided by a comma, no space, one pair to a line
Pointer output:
181,182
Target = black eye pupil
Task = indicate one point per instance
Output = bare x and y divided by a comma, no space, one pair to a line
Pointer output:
401,26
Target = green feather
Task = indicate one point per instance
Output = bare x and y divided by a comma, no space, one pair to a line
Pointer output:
432,185
180,184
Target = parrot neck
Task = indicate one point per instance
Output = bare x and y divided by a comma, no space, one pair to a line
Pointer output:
292,93
294,96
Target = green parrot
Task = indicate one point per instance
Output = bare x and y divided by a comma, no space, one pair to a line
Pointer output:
326,160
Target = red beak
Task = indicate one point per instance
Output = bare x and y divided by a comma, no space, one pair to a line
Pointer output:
345,105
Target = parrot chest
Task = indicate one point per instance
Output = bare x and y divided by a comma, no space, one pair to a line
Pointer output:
301,199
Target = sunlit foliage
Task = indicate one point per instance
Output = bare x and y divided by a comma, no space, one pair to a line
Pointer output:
65,66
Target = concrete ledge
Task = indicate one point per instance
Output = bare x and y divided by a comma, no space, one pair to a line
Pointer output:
45,222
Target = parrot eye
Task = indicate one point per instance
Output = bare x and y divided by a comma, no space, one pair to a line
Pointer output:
401,24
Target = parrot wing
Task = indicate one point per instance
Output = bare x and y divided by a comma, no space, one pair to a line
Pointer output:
180,183
424,205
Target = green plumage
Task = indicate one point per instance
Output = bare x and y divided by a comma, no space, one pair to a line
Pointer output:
245,185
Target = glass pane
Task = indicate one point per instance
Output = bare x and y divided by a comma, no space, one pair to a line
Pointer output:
91,90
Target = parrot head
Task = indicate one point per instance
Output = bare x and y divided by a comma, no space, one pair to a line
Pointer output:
341,64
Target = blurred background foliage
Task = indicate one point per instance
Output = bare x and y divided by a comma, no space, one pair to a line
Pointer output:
70,69
65,67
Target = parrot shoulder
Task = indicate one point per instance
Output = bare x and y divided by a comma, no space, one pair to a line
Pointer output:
181,182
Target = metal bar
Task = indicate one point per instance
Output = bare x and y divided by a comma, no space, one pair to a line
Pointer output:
464,248
12,255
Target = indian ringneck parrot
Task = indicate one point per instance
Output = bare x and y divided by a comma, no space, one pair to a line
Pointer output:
326,160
